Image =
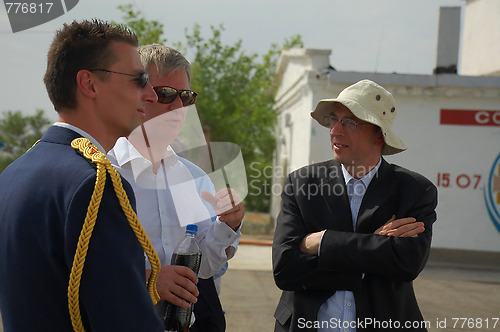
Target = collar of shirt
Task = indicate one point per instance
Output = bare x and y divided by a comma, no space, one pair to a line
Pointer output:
367,178
125,153
81,132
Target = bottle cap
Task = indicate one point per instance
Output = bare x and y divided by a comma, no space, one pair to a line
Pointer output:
192,228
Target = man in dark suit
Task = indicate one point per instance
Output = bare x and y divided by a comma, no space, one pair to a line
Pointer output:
99,88
353,232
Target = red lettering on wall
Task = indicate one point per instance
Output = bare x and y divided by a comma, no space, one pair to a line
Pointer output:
470,117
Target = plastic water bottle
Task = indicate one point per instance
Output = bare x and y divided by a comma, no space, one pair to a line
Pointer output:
187,253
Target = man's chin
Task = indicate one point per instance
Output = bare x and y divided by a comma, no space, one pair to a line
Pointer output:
136,127
164,138
341,160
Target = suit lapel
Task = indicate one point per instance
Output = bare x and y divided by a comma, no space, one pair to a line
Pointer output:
381,188
337,199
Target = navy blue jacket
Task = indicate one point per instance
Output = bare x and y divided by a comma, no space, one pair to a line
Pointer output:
44,196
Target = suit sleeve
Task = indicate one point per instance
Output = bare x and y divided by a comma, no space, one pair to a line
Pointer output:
113,293
292,269
398,258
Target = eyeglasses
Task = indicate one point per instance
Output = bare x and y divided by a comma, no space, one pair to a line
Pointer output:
349,125
167,95
142,78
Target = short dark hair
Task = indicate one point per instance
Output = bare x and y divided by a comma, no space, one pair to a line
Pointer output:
77,46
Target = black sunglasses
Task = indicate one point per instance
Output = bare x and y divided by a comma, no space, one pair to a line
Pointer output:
142,78
167,95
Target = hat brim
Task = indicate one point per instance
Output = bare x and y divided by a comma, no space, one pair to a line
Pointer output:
393,144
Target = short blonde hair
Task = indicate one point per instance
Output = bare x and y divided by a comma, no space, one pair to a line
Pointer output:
166,59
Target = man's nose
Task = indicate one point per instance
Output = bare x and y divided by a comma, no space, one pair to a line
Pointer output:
336,128
149,95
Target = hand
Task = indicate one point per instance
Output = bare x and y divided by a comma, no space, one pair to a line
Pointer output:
227,205
310,243
404,227
177,285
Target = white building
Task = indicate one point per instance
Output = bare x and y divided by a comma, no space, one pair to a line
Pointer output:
450,123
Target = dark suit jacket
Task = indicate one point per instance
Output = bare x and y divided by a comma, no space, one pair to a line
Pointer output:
44,196
379,270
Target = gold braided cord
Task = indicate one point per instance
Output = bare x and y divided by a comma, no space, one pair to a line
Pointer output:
91,152
82,248
139,232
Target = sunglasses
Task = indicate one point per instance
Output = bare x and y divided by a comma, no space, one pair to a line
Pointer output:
142,78
167,95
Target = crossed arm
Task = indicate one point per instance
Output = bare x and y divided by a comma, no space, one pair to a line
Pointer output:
397,250
404,227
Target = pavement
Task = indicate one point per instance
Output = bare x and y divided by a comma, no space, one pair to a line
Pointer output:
452,297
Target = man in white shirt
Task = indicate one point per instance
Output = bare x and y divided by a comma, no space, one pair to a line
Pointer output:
169,188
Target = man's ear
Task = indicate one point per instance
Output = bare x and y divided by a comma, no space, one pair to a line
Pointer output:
85,83
379,139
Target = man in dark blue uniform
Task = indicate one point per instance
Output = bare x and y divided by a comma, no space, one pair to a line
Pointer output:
99,88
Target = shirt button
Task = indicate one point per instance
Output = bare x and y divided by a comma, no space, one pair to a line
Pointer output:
166,243
348,304
356,201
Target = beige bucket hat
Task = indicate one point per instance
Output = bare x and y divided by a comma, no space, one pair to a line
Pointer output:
369,102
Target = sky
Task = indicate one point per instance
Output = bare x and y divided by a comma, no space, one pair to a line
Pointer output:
363,35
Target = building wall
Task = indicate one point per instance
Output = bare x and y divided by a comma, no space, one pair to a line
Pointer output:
480,52
457,159
320,148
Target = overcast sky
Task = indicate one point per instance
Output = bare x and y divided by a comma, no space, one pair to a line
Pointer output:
363,35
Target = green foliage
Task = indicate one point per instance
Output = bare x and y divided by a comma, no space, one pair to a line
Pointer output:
148,32
19,132
235,100
235,104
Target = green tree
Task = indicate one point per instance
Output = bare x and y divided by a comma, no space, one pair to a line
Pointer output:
236,103
18,133
148,32
235,100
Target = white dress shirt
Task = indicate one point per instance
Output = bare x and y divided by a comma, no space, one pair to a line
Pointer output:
164,215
